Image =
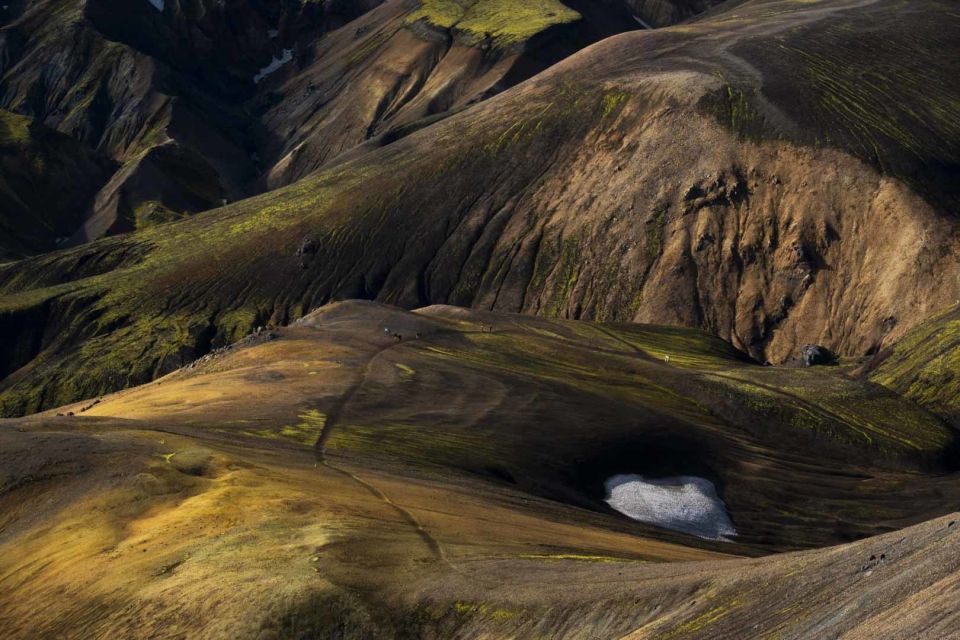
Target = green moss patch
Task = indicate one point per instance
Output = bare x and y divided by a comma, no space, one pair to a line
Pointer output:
503,22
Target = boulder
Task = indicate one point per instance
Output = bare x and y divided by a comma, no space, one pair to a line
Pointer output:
813,354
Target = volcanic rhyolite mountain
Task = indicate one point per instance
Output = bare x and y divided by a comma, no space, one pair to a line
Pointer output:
607,216
200,102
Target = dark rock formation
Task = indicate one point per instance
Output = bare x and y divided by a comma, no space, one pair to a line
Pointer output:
812,355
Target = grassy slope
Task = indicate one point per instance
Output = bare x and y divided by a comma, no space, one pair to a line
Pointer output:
555,407
924,365
196,504
504,22
158,533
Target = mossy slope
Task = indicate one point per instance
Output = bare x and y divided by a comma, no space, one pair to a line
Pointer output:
880,94
925,365
553,408
504,23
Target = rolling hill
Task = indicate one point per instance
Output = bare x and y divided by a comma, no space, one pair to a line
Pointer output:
329,477
479,319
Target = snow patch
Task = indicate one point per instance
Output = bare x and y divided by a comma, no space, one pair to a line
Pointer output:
273,33
681,503
642,22
157,4
275,64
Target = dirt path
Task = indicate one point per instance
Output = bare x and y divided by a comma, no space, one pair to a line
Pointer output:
740,72
333,420
432,543
336,411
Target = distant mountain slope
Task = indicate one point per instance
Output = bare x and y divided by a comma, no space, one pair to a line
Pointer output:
65,66
610,187
47,185
201,102
395,70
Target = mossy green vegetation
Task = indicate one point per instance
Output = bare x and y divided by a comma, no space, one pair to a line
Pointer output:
14,129
839,408
504,23
925,365
701,622
654,231
307,431
613,102
686,348
735,108
869,82
154,212
565,274
483,609
576,557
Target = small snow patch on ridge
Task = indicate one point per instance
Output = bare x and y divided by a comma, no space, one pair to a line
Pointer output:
275,64
157,4
681,503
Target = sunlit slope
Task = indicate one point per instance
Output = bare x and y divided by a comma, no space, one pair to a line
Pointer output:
456,491
502,22
555,408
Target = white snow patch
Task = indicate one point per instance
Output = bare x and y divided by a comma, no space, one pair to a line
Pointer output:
157,4
275,64
642,22
273,33
681,503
